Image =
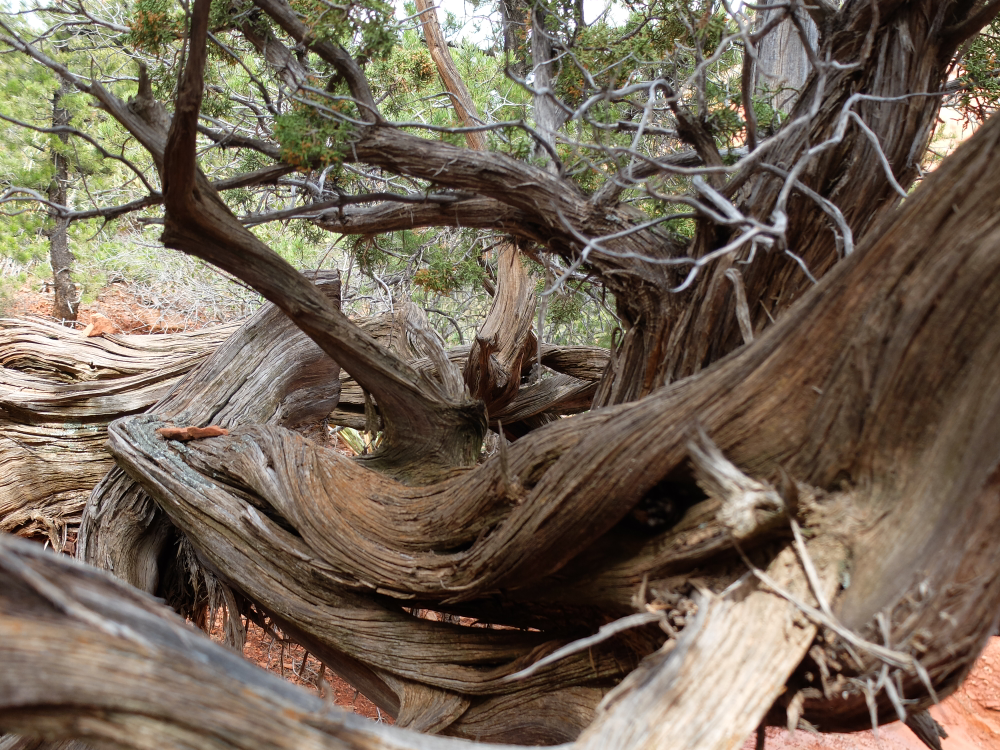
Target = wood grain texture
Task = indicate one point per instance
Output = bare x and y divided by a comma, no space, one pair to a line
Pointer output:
814,396
266,371
58,393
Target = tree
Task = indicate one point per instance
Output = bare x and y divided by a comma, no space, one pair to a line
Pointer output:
787,479
60,154
65,302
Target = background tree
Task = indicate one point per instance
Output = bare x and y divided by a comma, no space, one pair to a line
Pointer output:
60,258
786,481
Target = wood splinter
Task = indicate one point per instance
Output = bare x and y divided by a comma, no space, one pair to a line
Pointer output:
191,433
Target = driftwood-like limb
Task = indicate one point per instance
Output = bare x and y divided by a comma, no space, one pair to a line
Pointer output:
134,674
750,642
504,342
579,369
875,400
58,392
560,394
906,38
812,397
266,372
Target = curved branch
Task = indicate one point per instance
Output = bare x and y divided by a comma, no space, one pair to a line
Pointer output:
473,213
428,428
337,56
954,36
233,140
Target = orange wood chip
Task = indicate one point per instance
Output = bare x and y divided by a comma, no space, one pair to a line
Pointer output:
98,326
191,433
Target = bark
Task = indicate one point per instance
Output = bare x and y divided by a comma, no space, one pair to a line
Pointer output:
504,342
901,50
430,426
549,117
454,84
163,685
782,65
64,306
865,419
514,20
242,382
897,49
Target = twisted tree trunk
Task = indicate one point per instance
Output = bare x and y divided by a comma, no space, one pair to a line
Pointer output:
804,509
839,399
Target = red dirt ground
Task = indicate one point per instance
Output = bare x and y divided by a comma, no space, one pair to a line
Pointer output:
124,311
261,649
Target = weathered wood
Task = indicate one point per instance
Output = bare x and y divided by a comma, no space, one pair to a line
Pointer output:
58,392
782,65
266,371
119,668
454,84
513,521
871,409
889,51
504,342
711,687
135,675
583,366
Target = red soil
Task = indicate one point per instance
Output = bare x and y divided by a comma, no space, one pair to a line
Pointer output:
286,661
970,716
124,311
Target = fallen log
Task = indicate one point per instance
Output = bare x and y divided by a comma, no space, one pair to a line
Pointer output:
58,393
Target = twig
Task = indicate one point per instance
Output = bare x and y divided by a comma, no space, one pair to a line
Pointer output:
898,659
605,632
810,569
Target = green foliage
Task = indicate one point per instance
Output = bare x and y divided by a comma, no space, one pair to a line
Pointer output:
154,25
371,258
445,274
311,138
402,75
980,72
366,27
565,309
